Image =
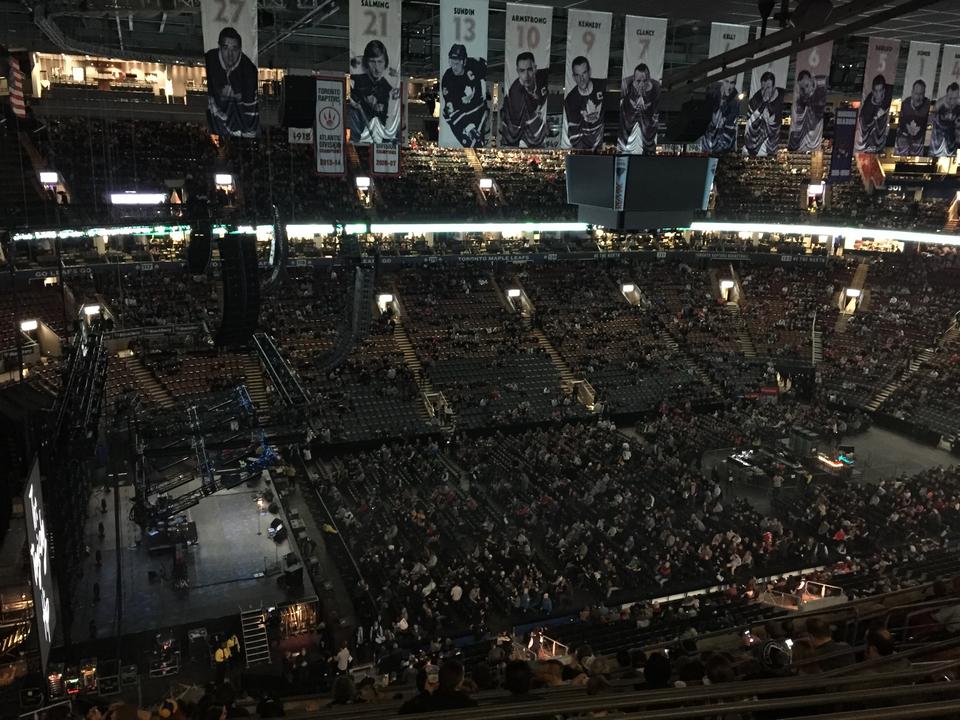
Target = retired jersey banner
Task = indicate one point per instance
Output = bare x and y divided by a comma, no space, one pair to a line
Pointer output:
464,94
375,102
945,130
329,132
523,111
809,98
765,109
230,45
585,82
922,62
873,122
385,160
644,47
722,95
844,132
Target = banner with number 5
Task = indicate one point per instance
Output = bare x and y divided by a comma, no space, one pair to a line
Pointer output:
873,121
585,83
375,102
523,110
464,93
230,44
945,130
644,47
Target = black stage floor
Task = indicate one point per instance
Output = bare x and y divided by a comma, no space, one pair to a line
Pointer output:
231,568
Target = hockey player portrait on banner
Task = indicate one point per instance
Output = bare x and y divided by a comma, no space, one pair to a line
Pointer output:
809,98
915,106
765,109
464,93
375,104
523,110
588,58
644,46
723,99
873,122
231,41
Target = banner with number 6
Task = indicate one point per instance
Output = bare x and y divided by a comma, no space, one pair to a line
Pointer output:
945,126
375,102
585,83
873,122
644,47
230,44
464,92
523,110
810,87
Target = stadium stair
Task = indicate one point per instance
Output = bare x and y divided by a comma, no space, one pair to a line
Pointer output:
744,341
256,386
402,340
255,645
147,383
892,387
817,347
951,336
691,366
473,161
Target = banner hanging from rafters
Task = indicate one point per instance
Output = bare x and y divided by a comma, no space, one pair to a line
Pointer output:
375,102
585,81
945,125
230,44
873,121
761,136
723,102
810,87
464,92
922,61
523,110
644,48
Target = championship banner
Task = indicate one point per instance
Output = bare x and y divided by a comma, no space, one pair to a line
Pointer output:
722,96
945,128
621,166
917,91
765,109
874,119
523,111
385,160
809,98
841,160
464,94
230,43
329,132
585,82
375,80
644,47
17,103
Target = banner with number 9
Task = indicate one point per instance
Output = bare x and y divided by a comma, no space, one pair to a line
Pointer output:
230,56
375,107
585,79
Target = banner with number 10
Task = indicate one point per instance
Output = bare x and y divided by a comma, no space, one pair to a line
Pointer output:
523,109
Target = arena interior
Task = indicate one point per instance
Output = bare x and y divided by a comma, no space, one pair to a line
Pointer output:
362,358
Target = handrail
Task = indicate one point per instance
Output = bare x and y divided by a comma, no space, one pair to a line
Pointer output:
660,704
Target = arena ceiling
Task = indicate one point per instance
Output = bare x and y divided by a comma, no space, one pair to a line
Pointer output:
313,33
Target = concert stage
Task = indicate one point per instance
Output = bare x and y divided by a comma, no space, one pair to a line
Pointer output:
231,567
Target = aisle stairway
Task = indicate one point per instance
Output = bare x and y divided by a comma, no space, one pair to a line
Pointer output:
402,340
478,172
689,363
257,386
894,385
744,341
147,384
256,648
